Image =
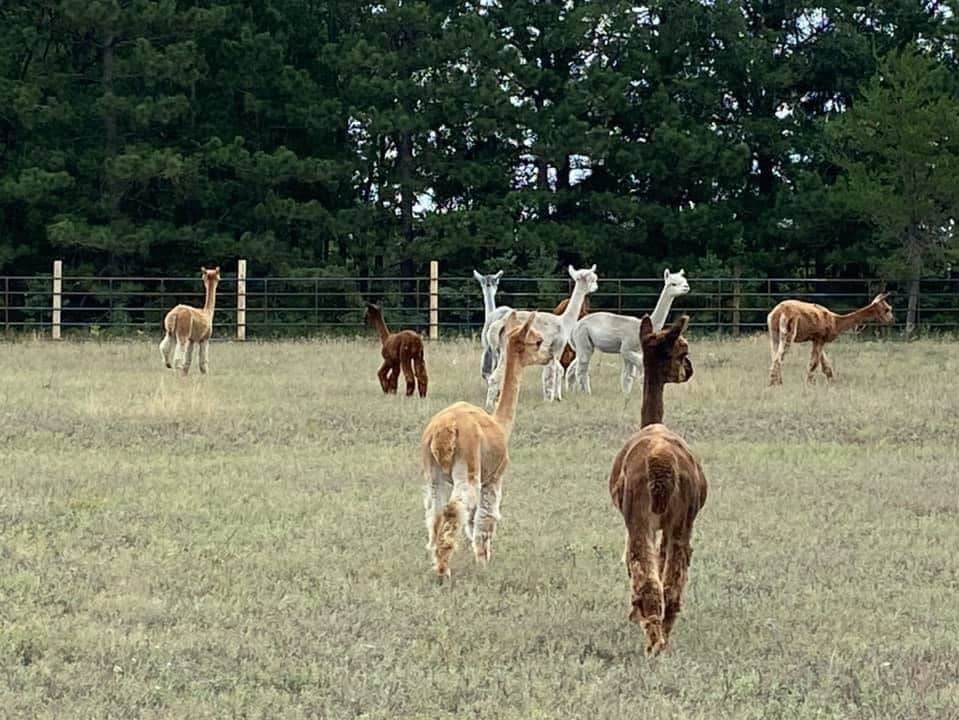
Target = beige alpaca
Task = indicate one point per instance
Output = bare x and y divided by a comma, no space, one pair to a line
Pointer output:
189,327
658,485
795,321
464,453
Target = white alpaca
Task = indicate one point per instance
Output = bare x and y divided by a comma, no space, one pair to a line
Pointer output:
555,329
489,283
611,333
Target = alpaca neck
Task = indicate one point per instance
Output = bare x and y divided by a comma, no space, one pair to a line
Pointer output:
509,394
661,310
489,300
653,409
571,313
856,317
209,303
376,320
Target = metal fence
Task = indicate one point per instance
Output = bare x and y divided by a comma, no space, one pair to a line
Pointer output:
305,306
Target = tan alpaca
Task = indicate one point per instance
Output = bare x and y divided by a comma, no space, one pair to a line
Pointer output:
189,327
795,321
658,485
464,453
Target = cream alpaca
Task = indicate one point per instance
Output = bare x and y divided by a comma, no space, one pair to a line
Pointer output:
189,327
464,453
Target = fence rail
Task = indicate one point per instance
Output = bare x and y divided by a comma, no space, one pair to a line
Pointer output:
265,307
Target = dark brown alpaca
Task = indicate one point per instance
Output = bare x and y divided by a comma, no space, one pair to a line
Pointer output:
795,321
402,349
566,359
658,484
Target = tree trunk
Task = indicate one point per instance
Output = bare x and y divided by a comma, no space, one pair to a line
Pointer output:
112,199
912,313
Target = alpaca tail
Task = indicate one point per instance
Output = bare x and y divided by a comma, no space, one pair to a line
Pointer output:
446,532
661,480
442,447
419,369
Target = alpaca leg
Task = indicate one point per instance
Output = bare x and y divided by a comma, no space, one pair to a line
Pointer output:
813,362
188,357
179,354
786,336
547,377
203,356
676,552
632,361
167,348
393,378
452,518
422,379
487,515
383,374
435,497
647,595
407,365
826,365
583,356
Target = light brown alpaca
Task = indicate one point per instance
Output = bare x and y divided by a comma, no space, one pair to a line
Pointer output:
189,327
464,453
795,321
569,355
658,484
403,349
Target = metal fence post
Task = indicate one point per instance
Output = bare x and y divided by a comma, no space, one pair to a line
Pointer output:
57,297
241,300
434,300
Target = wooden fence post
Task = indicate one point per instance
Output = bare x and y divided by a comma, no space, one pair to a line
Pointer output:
241,300
434,300
57,297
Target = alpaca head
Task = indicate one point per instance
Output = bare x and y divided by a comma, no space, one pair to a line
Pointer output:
675,284
489,283
585,278
881,310
210,275
666,352
523,340
372,311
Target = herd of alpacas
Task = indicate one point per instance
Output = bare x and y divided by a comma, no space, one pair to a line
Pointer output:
656,482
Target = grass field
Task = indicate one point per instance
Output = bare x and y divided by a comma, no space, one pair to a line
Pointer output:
251,543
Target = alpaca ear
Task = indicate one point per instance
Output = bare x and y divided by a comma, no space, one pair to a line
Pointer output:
666,275
203,270
572,272
681,271
529,323
678,328
498,275
477,276
645,328
593,269
217,269
512,321
882,296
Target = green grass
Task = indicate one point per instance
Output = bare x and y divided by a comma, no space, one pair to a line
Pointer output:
251,543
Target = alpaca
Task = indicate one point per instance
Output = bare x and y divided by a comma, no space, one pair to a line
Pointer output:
491,313
657,483
402,349
464,452
189,327
555,330
611,333
569,355
795,321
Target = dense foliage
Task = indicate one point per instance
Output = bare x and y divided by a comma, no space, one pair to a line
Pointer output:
335,136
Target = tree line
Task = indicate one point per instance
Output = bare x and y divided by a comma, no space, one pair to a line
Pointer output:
340,137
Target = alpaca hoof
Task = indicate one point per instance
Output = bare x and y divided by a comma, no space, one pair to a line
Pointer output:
168,366
654,648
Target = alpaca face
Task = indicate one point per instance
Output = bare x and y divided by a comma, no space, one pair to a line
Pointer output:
488,283
210,275
675,283
668,349
883,310
585,277
524,341
371,312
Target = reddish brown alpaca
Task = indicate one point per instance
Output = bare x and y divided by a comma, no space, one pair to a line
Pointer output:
658,484
402,349
568,353
795,321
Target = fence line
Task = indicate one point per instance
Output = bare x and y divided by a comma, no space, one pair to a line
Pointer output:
261,307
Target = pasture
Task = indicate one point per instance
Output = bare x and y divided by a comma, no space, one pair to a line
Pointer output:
251,543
